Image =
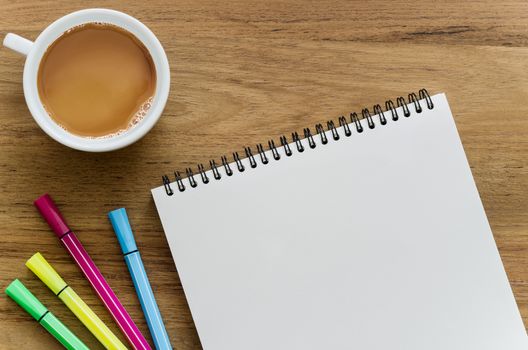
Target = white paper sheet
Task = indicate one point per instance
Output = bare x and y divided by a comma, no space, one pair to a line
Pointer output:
376,241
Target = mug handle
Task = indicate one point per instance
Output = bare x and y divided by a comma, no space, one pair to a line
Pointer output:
18,43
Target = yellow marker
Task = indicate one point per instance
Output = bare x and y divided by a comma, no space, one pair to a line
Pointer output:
51,278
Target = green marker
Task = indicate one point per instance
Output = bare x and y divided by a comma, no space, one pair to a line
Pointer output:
23,297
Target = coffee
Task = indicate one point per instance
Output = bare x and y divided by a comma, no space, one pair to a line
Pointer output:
97,80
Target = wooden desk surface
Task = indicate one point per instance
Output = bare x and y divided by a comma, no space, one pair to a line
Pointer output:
241,73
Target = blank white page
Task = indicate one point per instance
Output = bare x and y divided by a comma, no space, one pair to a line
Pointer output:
375,241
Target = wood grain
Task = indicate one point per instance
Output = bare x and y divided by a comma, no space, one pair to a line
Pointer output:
244,71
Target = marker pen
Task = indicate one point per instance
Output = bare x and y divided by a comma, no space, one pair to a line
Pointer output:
133,260
51,214
23,297
51,278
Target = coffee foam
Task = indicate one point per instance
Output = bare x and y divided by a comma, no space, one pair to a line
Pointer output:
138,118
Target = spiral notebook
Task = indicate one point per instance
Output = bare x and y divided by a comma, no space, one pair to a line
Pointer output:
366,234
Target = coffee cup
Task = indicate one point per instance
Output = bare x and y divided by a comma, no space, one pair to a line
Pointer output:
35,51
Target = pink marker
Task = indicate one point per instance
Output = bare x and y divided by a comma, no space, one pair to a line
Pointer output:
51,214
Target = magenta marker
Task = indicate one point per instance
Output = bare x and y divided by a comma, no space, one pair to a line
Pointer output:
51,214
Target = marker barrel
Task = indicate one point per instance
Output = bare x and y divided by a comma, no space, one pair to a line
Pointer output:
47,274
51,214
105,293
121,225
61,333
94,324
23,297
148,302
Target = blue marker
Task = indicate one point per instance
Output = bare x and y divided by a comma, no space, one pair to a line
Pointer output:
150,308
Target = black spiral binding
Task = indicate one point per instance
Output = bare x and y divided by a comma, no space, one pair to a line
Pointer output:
344,124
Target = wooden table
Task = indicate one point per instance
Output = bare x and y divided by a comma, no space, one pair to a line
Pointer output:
242,72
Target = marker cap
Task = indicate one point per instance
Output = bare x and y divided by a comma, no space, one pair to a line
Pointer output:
46,273
123,230
23,297
52,215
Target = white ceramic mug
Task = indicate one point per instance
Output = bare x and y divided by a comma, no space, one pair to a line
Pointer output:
35,50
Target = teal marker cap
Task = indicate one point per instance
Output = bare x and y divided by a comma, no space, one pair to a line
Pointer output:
23,297
121,225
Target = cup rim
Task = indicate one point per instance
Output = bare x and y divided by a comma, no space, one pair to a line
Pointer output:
50,35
